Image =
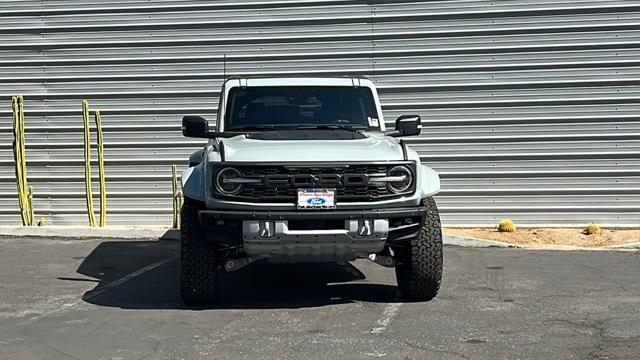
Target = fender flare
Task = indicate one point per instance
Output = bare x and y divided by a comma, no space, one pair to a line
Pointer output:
429,181
196,158
192,182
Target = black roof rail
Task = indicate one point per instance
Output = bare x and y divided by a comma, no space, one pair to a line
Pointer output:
235,77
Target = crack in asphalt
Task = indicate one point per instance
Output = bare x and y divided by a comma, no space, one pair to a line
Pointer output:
598,272
427,349
61,352
598,327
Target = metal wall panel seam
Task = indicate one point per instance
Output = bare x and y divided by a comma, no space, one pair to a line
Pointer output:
549,8
145,40
43,11
72,8
432,157
448,192
187,143
501,174
617,118
231,58
151,24
129,94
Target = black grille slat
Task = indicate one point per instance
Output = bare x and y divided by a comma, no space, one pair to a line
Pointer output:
275,189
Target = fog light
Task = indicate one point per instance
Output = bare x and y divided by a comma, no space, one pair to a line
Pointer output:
267,229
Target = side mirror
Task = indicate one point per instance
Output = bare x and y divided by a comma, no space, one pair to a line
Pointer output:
407,125
195,126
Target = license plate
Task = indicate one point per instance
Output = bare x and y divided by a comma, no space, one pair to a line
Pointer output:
316,198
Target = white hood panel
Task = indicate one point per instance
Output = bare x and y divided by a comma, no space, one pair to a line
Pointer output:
374,148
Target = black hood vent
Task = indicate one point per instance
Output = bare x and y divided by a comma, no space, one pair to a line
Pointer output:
307,134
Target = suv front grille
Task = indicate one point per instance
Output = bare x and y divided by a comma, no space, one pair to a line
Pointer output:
279,183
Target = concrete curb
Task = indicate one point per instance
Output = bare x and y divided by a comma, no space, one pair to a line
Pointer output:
60,232
86,232
466,241
634,245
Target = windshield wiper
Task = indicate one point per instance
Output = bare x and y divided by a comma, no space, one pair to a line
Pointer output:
251,128
328,127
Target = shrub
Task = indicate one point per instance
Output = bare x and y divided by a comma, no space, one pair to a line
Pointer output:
592,229
506,225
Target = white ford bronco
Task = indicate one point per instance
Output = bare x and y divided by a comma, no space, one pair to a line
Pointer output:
303,170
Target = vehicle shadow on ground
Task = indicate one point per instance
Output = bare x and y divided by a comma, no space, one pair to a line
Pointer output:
150,273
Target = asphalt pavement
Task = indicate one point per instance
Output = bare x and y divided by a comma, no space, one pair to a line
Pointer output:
118,299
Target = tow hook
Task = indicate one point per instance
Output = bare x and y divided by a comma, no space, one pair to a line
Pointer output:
237,264
384,260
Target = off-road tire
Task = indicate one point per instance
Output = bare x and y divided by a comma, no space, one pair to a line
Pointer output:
419,264
199,274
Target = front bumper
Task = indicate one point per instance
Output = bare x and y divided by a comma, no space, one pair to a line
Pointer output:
274,240
272,234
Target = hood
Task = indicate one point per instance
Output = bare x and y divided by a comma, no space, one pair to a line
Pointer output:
372,147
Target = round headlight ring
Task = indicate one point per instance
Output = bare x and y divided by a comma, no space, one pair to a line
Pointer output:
400,186
226,188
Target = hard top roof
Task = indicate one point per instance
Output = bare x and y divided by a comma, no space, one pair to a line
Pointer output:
298,81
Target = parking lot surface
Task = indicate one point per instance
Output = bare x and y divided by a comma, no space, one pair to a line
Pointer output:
118,299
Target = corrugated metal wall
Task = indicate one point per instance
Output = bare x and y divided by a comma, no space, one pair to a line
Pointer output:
531,108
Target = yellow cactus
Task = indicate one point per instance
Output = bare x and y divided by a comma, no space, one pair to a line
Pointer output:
592,229
506,225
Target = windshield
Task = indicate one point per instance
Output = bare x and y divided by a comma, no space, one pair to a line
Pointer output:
292,107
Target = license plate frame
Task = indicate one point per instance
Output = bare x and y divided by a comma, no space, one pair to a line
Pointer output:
316,199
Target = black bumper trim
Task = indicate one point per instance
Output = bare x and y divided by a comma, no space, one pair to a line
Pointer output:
311,214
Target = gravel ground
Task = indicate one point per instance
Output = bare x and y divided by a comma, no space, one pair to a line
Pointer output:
108,299
552,237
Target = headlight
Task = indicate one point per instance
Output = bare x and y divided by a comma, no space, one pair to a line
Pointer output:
405,179
225,183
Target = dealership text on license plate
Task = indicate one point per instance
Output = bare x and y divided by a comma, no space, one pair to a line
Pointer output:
316,198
